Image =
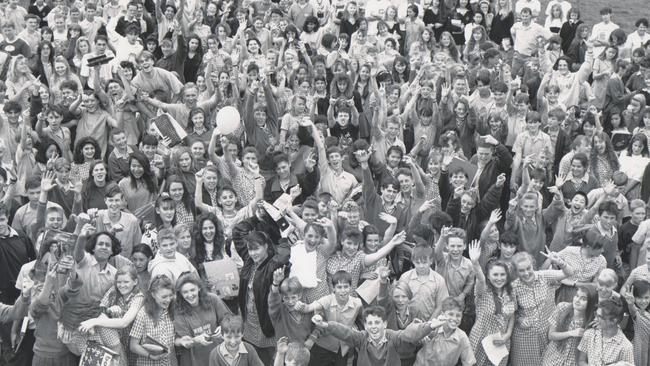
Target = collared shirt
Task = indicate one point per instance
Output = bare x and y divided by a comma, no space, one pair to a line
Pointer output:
606,351
345,314
428,292
338,185
527,144
456,277
228,357
443,350
96,281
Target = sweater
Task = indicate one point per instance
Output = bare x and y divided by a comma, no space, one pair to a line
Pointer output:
250,358
387,354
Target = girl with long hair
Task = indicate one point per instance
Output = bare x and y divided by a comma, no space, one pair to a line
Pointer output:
141,255
209,239
197,315
503,20
198,127
435,17
193,59
176,189
140,188
495,305
421,50
154,322
603,159
555,20
43,64
633,162
81,48
447,45
182,165
567,325
62,72
120,305
603,68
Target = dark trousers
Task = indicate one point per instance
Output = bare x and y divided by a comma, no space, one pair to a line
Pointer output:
266,354
322,357
25,353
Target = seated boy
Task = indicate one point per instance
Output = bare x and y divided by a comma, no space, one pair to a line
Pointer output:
233,350
376,345
448,344
428,287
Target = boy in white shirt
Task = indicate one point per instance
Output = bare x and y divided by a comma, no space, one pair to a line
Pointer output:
601,31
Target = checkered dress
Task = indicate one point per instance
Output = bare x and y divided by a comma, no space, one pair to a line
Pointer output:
586,270
535,304
564,352
601,351
352,265
642,338
183,216
111,337
487,322
162,331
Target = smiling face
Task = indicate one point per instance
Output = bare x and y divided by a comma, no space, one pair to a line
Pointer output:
228,200
163,297
114,203
342,291
208,230
190,293
525,270
99,173
375,326
580,300
125,284
455,247
176,191
136,169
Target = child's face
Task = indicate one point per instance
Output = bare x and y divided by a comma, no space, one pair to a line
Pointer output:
536,185
433,167
375,326
422,266
467,203
455,247
453,316
507,250
638,214
232,339
309,214
529,207
400,299
125,284
607,220
493,235
184,240
580,300
54,220
290,300
349,247
167,248
458,180
642,301
578,203
342,291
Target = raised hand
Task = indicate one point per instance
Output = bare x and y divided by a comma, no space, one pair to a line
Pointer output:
278,276
310,161
399,238
295,191
384,272
48,181
362,156
474,251
495,216
501,179
387,218
318,321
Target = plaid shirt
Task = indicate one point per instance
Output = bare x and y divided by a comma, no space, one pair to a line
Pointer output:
161,330
601,351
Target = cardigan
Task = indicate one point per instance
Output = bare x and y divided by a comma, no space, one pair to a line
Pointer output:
477,214
250,358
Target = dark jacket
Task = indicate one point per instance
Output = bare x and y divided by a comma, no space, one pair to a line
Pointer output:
262,284
15,251
477,214
567,33
308,183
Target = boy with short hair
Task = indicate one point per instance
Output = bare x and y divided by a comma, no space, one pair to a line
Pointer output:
428,287
449,344
376,345
168,261
601,31
233,350
287,320
530,142
12,44
340,306
456,269
31,34
124,225
118,159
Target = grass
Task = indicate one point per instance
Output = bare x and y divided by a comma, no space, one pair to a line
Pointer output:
625,12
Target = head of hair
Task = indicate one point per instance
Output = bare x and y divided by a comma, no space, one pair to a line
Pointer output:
91,242
199,240
341,277
182,306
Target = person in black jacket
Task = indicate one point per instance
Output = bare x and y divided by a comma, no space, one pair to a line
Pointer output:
256,278
284,181
569,28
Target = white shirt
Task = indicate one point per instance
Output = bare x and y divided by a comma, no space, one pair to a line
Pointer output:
634,40
601,32
566,6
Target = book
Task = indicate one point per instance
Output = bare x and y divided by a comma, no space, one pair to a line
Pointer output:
620,140
166,126
65,242
222,277
97,355
153,346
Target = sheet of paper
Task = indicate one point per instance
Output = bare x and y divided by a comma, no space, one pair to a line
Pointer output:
368,290
495,353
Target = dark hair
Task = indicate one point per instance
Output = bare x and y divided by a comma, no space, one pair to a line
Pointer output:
498,306
78,156
341,277
42,147
50,58
91,242
199,240
641,137
582,158
144,249
187,199
612,159
147,176
90,182
611,309
608,206
565,317
182,306
374,310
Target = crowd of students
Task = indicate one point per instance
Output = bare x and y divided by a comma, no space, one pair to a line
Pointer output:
410,183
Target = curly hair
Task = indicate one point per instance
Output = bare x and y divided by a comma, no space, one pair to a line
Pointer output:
200,241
